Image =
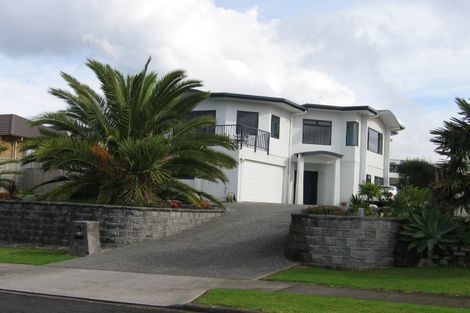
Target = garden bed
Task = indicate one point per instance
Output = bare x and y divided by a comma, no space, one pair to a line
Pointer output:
50,223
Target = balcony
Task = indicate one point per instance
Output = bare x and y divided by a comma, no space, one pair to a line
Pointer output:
243,136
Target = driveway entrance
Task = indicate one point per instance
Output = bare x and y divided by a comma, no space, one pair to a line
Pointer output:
246,242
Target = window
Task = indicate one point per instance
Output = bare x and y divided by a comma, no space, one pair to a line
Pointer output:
352,133
378,181
249,119
275,124
368,178
204,113
316,132
374,141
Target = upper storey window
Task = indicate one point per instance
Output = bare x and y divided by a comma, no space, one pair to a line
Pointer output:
275,125
375,141
204,113
316,132
352,133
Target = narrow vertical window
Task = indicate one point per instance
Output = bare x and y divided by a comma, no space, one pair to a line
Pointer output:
352,133
275,126
375,141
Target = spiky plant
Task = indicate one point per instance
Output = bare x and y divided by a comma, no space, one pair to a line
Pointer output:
130,143
453,143
428,230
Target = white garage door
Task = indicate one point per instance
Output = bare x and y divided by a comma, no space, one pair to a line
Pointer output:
262,182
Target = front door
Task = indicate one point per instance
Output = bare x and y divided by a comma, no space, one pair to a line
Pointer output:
310,187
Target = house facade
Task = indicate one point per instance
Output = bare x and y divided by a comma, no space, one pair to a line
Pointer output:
302,154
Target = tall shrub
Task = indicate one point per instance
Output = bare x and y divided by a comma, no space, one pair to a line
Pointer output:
129,142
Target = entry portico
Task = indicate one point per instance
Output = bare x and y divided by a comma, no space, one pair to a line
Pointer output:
317,177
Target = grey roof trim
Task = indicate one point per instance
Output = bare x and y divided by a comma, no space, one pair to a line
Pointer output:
340,108
256,98
321,152
400,125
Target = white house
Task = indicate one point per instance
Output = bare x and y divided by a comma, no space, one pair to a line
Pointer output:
303,154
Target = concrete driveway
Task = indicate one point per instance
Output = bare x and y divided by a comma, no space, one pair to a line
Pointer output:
245,243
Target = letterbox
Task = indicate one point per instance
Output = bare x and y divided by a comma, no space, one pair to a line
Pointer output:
85,238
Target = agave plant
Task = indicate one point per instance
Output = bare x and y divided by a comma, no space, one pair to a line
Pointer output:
429,229
130,143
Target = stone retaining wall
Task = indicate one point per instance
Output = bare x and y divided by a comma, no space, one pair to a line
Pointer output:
343,241
49,223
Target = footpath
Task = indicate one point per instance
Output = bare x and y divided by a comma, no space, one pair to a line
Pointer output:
175,291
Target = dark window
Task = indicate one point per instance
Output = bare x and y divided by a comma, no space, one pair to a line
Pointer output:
204,113
195,114
368,178
249,120
378,181
316,132
374,141
352,133
275,125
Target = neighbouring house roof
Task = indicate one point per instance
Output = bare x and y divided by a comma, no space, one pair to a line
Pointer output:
17,126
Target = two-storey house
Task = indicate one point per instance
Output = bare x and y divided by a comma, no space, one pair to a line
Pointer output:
303,154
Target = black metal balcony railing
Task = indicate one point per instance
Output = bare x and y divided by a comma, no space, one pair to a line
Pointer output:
244,136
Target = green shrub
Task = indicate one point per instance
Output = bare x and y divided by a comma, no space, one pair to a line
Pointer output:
326,210
429,230
410,198
370,191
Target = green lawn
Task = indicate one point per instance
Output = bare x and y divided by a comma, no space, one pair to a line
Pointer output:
279,302
437,280
32,256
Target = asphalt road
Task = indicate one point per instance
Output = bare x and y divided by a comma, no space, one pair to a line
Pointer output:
245,243
14,302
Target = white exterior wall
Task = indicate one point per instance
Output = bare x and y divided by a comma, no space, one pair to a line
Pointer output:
337,178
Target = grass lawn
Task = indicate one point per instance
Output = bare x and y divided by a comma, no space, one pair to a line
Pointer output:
279,302
32,256
437,280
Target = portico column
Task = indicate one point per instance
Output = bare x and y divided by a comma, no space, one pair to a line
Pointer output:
386,144
337,182
299,190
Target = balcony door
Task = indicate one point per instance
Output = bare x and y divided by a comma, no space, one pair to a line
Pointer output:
248,119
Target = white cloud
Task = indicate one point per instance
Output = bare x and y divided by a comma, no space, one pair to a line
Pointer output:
395,55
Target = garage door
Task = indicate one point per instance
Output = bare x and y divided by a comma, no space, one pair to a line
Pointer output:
262,182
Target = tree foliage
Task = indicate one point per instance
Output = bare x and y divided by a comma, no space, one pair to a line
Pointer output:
417,172
130,143
453,143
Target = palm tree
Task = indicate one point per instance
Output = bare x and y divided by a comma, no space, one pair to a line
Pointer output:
129,144
453,142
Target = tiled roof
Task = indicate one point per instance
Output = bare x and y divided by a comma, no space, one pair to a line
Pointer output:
17,126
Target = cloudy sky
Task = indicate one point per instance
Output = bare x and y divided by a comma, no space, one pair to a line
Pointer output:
412,57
